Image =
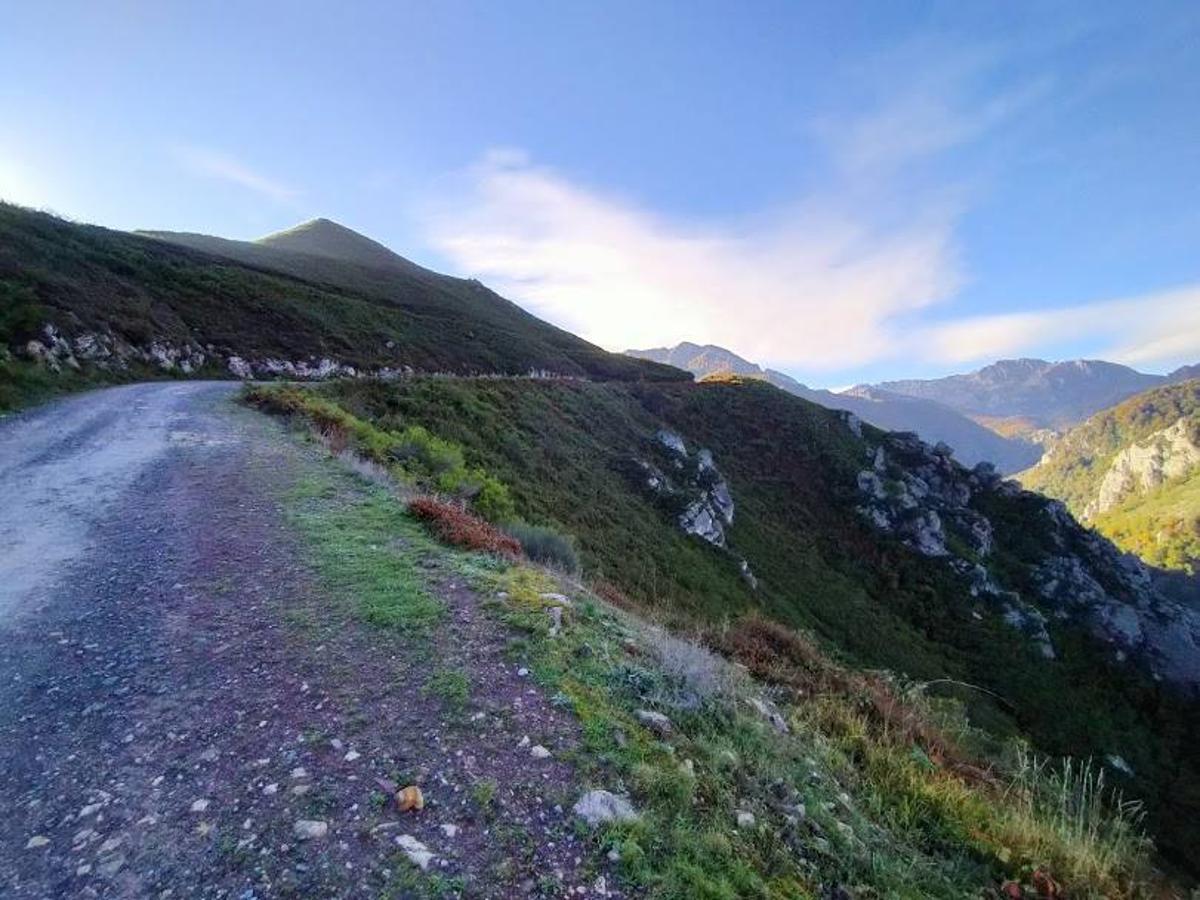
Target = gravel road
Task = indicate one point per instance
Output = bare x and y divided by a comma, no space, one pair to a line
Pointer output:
180,693
63,466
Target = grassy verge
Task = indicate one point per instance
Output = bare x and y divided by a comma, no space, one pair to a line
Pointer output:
364,545
783,774
840,794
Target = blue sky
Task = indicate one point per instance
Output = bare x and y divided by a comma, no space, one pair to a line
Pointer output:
844,191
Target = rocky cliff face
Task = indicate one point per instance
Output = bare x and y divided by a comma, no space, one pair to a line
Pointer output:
1170,453
693,489
918,495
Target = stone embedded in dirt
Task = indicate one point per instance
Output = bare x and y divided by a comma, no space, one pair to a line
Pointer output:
299,772
539,752
111,844
111,867
417,853
199,806
272,788
410,798
310,829
449,830
601,807
38,840
524,742
522,672
655,721
351,755
745,819
209,755
90,809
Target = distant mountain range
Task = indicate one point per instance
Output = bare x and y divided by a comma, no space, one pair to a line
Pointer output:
933,421
1022,395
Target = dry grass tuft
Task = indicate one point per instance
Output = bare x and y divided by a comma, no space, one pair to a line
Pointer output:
454,525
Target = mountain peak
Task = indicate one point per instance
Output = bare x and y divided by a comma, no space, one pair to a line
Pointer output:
324,237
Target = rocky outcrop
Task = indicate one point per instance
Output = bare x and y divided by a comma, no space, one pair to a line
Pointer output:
109,352
694,485
1165,455
918,495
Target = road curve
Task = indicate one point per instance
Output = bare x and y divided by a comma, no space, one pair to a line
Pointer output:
63,467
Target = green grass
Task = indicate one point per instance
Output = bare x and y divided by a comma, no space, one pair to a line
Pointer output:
453,686
564,452
878,815
365,547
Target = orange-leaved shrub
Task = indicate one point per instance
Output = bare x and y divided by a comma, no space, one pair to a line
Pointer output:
454,525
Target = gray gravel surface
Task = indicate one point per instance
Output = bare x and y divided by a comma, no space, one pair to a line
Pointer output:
179,692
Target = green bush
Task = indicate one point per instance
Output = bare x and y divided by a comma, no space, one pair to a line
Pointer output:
546,546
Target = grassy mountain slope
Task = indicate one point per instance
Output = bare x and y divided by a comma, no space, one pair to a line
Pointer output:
86,280
1160,522
1051,394
569,453
934,421
777,773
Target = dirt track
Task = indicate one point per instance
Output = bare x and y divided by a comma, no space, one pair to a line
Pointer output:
177,690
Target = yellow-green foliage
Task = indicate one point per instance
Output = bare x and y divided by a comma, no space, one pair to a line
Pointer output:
411,453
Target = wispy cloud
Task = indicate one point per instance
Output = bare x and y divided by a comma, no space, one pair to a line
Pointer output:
865,272
1161,329
214,164
815,285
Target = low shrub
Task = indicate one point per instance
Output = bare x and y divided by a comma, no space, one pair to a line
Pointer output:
454,525
546,546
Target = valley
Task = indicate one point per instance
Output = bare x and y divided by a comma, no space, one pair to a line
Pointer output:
435,541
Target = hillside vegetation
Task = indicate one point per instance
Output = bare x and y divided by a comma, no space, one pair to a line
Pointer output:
972,442
778,773
124,305
570,456
1133,472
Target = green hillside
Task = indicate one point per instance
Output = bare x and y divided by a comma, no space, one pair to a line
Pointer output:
1158,521
133,291
571,455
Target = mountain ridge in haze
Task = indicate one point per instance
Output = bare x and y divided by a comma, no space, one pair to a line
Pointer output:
1046,394
935,422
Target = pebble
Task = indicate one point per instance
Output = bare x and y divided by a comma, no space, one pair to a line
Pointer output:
351,755
38,840
309,829
417,853
199,806
539,752
745,819
270,789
